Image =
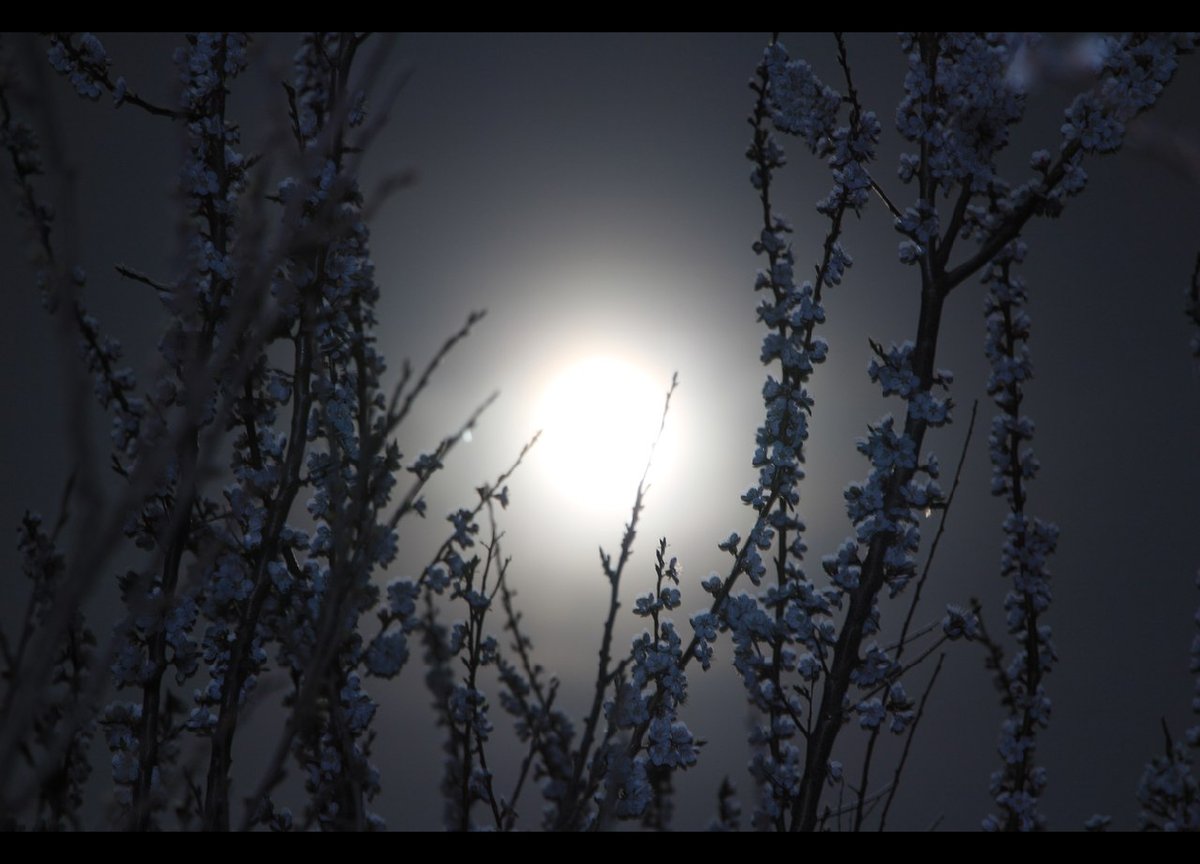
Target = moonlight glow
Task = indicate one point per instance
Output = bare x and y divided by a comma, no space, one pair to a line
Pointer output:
599,419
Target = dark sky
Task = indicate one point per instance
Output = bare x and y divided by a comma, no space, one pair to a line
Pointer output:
591,193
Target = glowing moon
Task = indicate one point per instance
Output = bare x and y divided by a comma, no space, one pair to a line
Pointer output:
599,419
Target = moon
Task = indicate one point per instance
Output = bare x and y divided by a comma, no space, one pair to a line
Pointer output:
599,419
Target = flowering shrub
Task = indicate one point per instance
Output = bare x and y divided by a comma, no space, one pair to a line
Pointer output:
262,485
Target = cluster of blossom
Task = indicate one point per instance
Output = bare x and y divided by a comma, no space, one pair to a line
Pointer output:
960,101
328,295
961,97
196,303
234,590
462,704
791,612
958,104
1133,69
41,562
794,612
69,701
113,385
83,65
648,701
460,573
161,633
122,723
790,629
234,570
1028,543
893,521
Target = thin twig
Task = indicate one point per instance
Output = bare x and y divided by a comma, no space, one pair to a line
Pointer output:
573,800
933,547
912,730
396,416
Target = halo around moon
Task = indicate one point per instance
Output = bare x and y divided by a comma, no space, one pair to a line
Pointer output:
600,417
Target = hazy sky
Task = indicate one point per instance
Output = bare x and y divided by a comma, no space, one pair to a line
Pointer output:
591,193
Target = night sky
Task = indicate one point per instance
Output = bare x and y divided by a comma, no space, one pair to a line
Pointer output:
591,193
